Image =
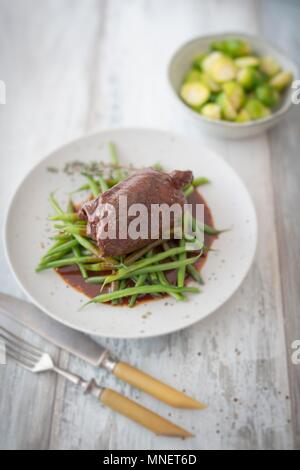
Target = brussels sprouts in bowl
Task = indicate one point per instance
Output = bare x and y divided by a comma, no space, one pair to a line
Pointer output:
234,84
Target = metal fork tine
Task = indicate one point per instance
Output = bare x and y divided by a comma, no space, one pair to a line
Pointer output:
19,361
32,348
35,360
19,347
21,352
19,341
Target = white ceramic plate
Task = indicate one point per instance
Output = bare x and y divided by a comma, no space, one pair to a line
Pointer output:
27,230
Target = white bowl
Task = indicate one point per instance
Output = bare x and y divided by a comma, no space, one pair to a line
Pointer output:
181,63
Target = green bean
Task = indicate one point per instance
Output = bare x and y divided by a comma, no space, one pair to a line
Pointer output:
123,284
84,187
165,266
69,226
109,182
189,190
60,251
138,254
67,217
141,290
70,206
144,263
71,229
197,244
158,167
96,279
66,262
55,204
87,244
156,268
146,270
113,288
80,223
140,281
163,280
197,225
100,267
181,269
92,184
103,185
61,237
118,286
211,230
195,274
112,182
81,267
63,246
200,181
55,256
191,269
115,161
153,277
55,245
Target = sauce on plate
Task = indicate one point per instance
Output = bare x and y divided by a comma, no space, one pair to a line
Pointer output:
72,276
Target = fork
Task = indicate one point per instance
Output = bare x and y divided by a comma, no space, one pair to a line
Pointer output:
37,361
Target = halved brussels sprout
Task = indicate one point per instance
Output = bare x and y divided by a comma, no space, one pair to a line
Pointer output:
210,59
213,97
267,95
232,47
198,60
250,61
227,110
223,70
197,76
210,83
249,78
281,80
235,94
193,76
269,66
195,94
256,109
243,116
211,111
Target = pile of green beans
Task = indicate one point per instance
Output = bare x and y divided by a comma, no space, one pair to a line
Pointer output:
141,273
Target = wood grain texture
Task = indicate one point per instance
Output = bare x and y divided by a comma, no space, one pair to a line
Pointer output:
284,142
73,67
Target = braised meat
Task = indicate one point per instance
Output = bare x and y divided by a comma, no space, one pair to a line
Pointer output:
145,187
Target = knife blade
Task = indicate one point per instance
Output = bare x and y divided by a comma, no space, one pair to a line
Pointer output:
62,336
84,347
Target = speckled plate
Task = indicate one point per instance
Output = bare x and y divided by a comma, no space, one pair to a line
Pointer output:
27,232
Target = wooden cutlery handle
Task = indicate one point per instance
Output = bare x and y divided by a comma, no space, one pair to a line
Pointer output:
154,387
140,414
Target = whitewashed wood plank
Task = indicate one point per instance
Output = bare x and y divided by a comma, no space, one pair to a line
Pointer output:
26,400
286,174
284,143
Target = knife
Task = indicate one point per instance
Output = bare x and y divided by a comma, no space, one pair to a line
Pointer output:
88,350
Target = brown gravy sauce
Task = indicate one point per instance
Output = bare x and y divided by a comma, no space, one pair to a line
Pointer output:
72,276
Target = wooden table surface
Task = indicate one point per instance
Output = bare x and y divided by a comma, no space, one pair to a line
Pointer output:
73,67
